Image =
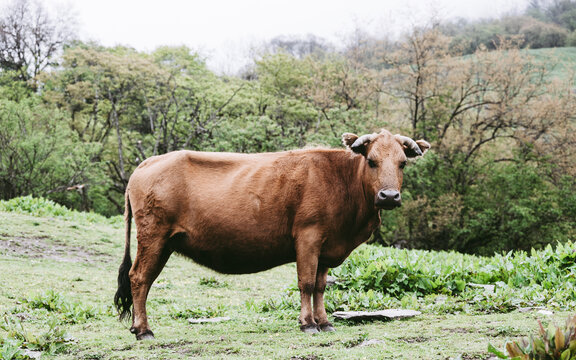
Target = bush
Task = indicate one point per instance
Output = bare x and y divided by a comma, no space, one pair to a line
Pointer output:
538,34
375,277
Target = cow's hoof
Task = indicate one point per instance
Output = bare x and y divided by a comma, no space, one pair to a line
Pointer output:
309,329
146,335
327,327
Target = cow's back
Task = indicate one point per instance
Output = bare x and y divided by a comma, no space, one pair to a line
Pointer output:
237,213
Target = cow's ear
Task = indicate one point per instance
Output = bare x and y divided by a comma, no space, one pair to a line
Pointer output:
423,145
359,144
348,139
413,148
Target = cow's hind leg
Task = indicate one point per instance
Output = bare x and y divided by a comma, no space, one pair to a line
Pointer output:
152,255
319,310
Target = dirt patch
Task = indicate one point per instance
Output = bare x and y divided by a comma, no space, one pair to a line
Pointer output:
460,330
42,247
416,339
478,356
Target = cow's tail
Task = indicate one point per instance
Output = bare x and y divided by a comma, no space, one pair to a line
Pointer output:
123,297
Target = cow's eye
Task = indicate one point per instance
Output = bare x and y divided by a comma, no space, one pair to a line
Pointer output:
402,164
372,163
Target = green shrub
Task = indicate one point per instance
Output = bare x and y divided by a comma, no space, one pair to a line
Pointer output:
375,277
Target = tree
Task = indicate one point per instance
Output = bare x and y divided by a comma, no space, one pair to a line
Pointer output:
38,154
138,105
31,38
484,115
299,46
560,12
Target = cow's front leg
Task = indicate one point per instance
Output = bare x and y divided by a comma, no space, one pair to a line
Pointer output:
319,310
307,251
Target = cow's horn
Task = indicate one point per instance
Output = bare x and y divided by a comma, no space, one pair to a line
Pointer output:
410,144
361,141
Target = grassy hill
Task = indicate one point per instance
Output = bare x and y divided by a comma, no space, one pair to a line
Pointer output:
58,276
562,61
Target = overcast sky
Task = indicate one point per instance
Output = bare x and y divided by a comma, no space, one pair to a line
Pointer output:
224,30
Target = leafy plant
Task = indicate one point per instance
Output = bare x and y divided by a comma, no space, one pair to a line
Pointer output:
71,312
374,277
53,341
212,282
200,312
554,343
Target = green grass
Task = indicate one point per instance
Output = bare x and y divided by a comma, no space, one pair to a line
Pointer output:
560,61
59,291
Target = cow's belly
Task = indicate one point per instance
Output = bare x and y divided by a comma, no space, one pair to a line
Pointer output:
236,256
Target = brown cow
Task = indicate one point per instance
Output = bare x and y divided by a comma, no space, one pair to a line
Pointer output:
244,213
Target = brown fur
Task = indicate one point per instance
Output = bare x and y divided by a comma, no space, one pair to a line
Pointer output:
244,213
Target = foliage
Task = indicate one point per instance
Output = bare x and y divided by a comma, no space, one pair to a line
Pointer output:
212,282
560,12
37,154
10,349
198,312
518,206
374,277
483,135
44,207
68,311
53,341
552,343
285,306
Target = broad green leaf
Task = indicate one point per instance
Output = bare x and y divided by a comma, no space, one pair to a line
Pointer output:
496,352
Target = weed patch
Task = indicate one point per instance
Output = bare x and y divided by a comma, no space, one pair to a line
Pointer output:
53,341
212,282
69,312
355,341
199,312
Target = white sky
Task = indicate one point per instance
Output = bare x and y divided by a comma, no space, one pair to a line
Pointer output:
224,30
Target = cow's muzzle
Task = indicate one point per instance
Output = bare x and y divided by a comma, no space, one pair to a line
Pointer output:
388,199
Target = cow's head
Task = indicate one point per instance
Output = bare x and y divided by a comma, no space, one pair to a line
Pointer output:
385,156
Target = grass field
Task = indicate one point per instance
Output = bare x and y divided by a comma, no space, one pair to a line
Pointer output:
58,278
